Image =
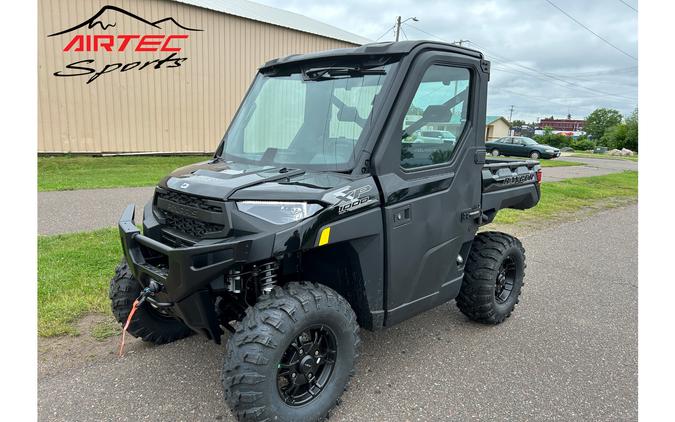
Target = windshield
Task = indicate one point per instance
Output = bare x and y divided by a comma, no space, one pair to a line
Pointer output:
314,118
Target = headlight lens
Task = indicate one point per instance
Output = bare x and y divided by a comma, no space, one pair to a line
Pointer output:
279,212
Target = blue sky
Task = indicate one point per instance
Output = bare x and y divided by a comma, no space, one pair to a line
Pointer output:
543,63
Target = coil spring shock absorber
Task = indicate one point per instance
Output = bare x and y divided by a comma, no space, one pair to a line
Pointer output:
267,276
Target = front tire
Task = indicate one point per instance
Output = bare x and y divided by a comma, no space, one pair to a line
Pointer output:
493,278
147,323
292,355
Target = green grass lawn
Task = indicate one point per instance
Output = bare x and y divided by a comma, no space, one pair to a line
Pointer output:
73,274
572,195
74,269
605,156
85,172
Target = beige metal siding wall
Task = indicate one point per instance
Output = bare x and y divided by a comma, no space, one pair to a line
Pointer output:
183,109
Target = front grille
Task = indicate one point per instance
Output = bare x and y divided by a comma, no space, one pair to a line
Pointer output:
191,226
194,216
189,200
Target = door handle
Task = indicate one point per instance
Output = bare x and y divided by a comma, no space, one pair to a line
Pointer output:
402,215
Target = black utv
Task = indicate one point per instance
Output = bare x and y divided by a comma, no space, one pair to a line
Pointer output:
322,211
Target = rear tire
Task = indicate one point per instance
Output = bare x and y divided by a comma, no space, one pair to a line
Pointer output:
493,278
146,324
495,152
271,358
534,155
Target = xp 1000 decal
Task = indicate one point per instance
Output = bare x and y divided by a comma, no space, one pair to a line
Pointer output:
349,198
104,33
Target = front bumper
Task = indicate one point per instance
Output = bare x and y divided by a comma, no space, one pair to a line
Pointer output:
185,273
552,154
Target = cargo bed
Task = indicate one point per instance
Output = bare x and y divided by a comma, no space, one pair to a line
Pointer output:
509,184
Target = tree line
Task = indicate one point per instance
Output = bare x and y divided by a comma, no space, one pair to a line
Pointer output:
605,127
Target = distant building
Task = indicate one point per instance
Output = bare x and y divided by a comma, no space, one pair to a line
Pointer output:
496,127
566,125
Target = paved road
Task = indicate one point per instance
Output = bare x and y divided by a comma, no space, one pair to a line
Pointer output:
569,352
89,209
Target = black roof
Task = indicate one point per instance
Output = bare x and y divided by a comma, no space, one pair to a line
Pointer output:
374,49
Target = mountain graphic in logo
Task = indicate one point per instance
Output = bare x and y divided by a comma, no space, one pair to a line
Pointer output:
108,15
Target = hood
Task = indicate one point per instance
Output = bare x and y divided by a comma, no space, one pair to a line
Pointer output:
548,147
239,181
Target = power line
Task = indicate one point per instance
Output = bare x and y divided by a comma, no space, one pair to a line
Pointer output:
404,34
399,22
547,75
614,71
425,32
590,30
628,5
535,71
520,72
385,32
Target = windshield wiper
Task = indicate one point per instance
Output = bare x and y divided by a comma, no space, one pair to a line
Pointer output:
323,73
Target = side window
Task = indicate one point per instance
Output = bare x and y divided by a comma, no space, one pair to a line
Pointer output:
436,118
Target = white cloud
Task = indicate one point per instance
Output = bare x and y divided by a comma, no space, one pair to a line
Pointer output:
529,33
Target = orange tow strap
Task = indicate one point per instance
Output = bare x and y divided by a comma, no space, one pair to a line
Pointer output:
126,326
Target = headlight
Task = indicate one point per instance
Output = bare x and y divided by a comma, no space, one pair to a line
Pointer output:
279,212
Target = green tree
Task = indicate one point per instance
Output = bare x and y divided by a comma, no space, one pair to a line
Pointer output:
623,135
600,120
632,131
615,137
517,123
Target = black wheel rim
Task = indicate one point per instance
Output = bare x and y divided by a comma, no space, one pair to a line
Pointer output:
506,277
307,365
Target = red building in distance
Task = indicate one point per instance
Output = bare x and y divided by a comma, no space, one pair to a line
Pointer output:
566,125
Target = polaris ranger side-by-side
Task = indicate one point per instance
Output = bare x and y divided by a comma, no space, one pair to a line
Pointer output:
324,210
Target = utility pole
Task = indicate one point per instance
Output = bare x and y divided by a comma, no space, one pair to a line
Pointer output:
399,22
460,42
398,27
510,124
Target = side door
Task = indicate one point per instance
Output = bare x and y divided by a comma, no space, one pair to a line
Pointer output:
508,148
428,188
519,147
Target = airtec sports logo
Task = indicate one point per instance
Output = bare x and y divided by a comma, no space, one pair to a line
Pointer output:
104,35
